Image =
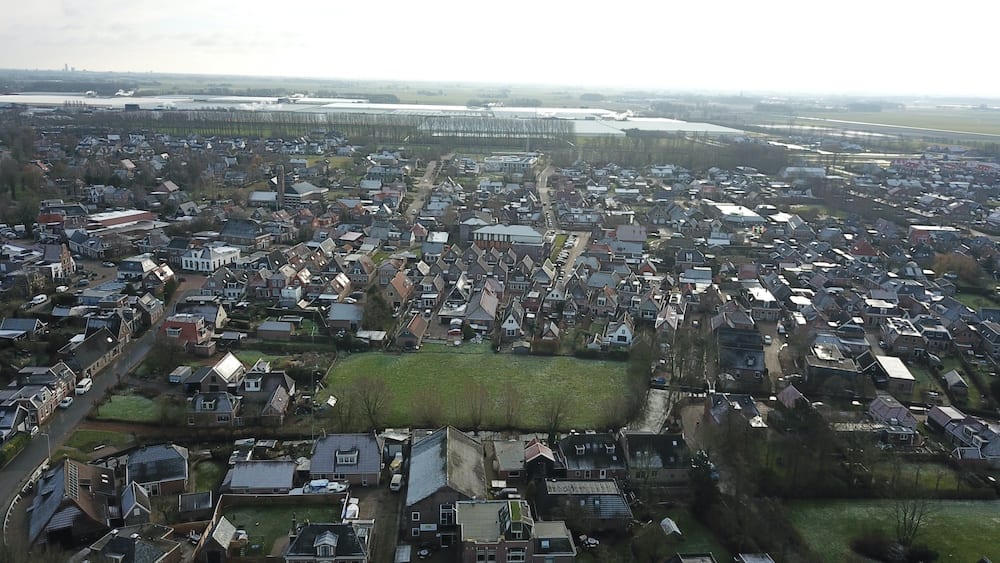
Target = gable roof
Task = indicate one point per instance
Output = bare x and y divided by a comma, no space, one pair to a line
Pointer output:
324,458
158,463
446,458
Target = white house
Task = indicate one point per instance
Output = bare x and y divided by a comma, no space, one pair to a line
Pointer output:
209,259
620,333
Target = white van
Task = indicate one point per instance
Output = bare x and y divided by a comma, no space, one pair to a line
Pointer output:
396,483
84,385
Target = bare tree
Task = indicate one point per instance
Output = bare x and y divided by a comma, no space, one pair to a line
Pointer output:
555,407
477,400
910,515
427,408
511,404
374,396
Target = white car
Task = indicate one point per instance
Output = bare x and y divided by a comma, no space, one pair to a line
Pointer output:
66,402
768,339
108,264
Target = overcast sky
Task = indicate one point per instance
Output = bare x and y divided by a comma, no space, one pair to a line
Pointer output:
848,46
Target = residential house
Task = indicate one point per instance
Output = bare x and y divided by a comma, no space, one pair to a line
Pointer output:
592,456
74,503
17,329
13,419
227,374
355,458
594,506
886,409
733,410
892,374
38,400
260,477
228,284
481,312
160,469
399,290
136,508
503,530
266,394
508,461
136,543
434,488
330,543
956,384
209,259
93,354
539,460
412,333
657,459
214,409
620,334
187,331
345,316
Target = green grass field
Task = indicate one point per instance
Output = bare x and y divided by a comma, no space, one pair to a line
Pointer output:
960,120
265,524
129,408
87,440
977,302
959,531
208,475
445,372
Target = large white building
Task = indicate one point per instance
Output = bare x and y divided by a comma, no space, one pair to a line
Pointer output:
209,259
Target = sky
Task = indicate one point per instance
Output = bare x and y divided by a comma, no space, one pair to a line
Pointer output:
844,47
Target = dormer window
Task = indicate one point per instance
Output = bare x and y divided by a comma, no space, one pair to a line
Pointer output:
349,457
580,449
610,448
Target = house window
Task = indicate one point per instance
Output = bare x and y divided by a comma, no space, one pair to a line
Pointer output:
415,516
173,332
622,338
415,532
190,420
253,384
515,555
447,516
222,418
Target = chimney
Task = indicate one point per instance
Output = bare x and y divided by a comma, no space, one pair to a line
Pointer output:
281,186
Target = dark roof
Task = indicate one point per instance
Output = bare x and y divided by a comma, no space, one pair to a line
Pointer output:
153,464
585,452
446,458
93,348
324,458
343,536
261,474
195,501
657,451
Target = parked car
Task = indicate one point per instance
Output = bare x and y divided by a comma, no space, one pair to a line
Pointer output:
109,264
768,339
66,402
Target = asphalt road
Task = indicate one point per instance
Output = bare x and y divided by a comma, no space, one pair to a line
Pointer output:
65,421
423,189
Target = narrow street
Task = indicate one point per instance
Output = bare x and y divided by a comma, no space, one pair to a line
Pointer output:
423,189
65,421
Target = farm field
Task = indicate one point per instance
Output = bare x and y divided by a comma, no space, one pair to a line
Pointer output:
447,372
959,120
829,526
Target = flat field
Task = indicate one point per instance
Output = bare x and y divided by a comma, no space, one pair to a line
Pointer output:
957,530
446,372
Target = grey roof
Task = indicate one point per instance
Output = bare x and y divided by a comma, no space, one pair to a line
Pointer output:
345,312
27,325
600,499
585,452
324,458
262,474
510,455
446,458
343,536
134,495
154,464
275,326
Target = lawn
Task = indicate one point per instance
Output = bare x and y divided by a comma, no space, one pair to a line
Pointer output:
129,408
828,527
446,372
87,440
922,475
208,475
249,357
265,524
557,246
977,302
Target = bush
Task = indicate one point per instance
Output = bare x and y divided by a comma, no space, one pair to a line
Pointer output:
12,447
874,545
